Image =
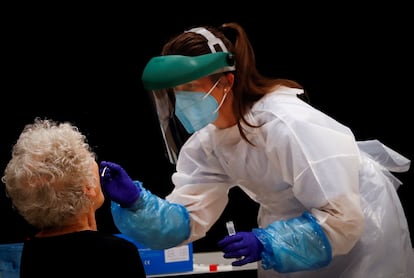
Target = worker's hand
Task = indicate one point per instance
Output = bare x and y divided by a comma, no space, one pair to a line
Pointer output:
117,185
244,246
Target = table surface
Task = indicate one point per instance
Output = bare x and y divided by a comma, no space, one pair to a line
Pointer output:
202,262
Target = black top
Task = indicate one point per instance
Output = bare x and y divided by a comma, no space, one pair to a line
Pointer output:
80,254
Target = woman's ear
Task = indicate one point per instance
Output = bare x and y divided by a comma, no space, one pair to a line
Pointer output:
229,81
89,191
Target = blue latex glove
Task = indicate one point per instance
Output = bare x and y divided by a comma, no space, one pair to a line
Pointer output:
244,246
117,185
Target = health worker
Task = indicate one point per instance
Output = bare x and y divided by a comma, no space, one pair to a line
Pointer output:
328,203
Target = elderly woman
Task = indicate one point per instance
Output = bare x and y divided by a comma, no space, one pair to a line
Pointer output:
53,182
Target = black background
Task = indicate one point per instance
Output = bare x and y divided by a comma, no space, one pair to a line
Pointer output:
83,64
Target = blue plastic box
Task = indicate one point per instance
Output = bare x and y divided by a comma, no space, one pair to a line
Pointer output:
172,260
10,260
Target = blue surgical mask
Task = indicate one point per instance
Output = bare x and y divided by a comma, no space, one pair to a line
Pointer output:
195,110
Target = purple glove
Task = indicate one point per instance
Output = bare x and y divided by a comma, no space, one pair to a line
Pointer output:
117,185
244,246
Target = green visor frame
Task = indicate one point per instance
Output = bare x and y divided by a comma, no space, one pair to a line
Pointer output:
168,71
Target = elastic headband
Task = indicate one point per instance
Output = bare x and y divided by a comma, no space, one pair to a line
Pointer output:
215,44
212,40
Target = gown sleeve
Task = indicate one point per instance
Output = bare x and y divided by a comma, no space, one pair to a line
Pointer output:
200,185
198,199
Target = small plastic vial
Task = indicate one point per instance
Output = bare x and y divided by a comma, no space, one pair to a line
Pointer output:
230,228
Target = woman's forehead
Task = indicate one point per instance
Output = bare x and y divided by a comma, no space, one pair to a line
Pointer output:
201,82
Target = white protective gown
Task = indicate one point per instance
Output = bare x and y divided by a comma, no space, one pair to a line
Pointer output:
303,160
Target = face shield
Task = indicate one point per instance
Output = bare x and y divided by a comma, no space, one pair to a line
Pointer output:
163,73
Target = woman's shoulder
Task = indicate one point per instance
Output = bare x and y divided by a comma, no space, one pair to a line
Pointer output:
119,239
281,92
86,238
280,100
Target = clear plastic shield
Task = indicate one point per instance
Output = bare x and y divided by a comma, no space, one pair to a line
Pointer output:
173,133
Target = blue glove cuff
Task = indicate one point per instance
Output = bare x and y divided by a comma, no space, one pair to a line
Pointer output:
153,221
294,245
138,203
